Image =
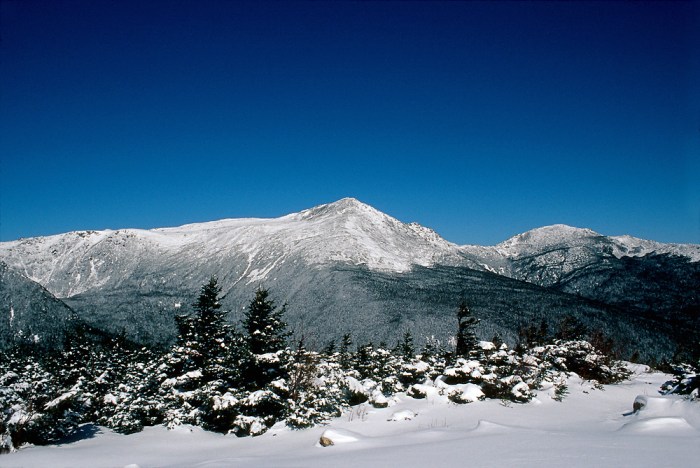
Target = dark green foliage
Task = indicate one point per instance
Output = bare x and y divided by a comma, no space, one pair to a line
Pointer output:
315,389
406,347
205,361
265,337
686,381
266,332
133,400
534,335
584,359
466,341
204,337
329,349
571,328
364,364
497,340
560,392
346,361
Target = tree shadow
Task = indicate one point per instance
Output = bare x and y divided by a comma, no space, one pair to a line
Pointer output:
85,431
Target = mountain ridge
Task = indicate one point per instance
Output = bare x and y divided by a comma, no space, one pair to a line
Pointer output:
346,261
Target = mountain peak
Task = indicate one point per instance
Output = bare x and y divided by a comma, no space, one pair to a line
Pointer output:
344,206
548,235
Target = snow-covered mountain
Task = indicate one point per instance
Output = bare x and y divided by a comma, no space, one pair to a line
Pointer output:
341,266
548,238
346,231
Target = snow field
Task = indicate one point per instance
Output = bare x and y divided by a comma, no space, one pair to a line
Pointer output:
590,428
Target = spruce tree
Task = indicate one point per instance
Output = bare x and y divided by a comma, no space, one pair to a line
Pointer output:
467,343
210,323
264,370
203,361
265,337
406,348
346,360
266,332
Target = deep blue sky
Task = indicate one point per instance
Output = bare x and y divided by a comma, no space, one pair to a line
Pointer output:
479,120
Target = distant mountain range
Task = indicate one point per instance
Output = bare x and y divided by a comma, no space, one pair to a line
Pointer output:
346,267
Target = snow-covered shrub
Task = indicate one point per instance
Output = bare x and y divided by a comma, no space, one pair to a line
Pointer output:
463,372
259,410
418,391
34,407
320,398
582,358
355,392
500,374
134,400
221,411
414,371
465,393
249,426
381,366
686,381
506,375
433,353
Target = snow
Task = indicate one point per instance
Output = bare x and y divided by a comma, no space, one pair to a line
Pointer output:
404,415
345,231
255,249
539,239
466,393
340,436
590,427
60,399
628,246
543,239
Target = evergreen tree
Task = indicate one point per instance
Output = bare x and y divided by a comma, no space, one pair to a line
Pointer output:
571,328
264,372
210,323
497,340
329,350
346,361
264,326
205,360
133,401
364,364
467,343
406,348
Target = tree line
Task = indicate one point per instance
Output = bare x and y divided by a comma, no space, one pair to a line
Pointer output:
243,382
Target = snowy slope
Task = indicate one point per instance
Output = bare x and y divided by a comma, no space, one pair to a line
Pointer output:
545,256
346,231
590,427
628,246
547,238
251,250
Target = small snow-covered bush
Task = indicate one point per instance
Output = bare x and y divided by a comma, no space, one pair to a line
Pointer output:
465,393
686,381
249,426
419,391
322,399
582,358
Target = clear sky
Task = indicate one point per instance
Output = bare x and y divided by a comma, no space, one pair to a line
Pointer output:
479,120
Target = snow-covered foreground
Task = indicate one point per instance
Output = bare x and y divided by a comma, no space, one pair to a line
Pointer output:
590,428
